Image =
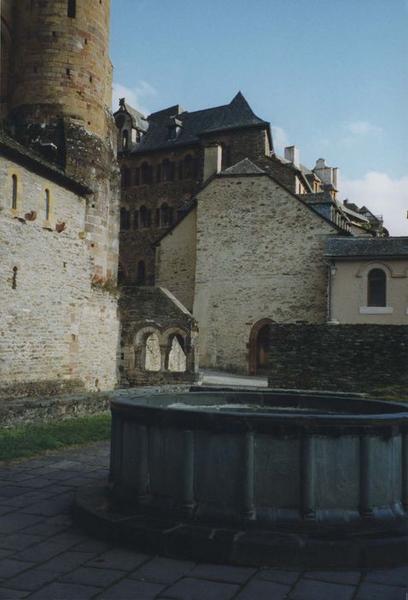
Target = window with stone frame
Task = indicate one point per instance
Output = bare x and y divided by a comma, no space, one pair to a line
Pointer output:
124,218
166,215
71,9
125,177
188,167
145,217
141,273
168,170
146,171
376,288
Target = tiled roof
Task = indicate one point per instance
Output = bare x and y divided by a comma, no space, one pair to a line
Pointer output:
367,247
139,121
235,115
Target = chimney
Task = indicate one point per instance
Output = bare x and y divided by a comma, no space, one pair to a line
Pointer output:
327,174
292,155
212,160
336,178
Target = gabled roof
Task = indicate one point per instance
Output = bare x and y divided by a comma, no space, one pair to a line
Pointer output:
139,121
362,247
193,125
243,167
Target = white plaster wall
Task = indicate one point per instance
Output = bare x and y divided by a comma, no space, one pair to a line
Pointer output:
349,291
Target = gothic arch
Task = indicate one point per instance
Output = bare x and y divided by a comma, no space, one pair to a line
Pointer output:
257,350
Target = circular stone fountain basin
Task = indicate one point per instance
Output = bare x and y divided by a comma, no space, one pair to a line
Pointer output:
258,478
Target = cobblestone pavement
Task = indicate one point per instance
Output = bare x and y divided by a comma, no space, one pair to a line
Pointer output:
44,556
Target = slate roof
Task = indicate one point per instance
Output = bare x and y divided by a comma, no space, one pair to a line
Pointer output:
237,114
139,121
27,157
243,167
367,247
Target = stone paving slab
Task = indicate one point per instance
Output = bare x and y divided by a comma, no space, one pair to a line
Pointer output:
44,556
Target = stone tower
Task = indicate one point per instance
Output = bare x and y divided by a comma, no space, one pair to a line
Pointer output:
59,101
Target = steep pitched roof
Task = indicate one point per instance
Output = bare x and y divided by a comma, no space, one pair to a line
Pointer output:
139,121
362,247
243,167
237,114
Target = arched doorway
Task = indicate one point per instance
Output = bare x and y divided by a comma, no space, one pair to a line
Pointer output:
259,343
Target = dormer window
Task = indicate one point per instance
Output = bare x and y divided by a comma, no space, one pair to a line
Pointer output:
125,139
174,128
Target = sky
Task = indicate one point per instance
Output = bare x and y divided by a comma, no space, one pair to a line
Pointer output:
331,76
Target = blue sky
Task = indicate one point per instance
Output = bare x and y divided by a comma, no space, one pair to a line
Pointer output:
330,75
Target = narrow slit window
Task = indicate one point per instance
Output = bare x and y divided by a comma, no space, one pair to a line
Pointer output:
47,205
72,9
14,192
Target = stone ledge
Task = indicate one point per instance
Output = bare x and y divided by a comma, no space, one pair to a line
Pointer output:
40,409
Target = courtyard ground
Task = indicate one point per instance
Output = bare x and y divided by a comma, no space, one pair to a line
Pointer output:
43,556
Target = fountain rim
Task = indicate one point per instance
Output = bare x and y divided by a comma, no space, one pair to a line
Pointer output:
163,408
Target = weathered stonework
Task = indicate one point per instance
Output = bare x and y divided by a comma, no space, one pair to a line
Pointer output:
58,330
354,358
59,102
152,320
258,256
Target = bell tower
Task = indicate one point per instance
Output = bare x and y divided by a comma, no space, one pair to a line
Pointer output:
59,103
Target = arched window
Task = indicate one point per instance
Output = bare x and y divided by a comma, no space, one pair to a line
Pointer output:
147,173
125,177
47,205
14,192
136,219
124,218
168,170
188,167
136,176
152,353
141,273
377,288
145,217
158,173
71,10
125,139
177,360
166,215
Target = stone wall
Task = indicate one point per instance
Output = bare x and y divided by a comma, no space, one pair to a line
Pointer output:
159,338
347,358
136,243
59,331
176,261
61,64
259,256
